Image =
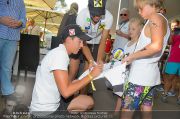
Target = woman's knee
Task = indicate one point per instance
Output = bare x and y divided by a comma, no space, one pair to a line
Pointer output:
90,102
81,103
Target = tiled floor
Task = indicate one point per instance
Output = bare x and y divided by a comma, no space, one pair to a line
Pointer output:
104,100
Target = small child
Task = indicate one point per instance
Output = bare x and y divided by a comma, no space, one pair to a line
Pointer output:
144,73
135,27
172,68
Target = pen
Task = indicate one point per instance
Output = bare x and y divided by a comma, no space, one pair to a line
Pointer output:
92,83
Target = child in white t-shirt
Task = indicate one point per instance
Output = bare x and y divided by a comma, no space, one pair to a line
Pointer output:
135,27
144,73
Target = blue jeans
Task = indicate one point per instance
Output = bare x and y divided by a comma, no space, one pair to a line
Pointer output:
7,53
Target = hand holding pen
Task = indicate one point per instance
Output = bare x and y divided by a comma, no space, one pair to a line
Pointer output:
96,71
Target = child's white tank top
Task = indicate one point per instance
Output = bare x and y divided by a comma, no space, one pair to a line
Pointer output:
145,71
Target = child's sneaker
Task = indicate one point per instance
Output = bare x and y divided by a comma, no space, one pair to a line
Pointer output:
178,101
164,98
171,93
159,88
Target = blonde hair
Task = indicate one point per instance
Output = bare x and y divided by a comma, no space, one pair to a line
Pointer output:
138,20
157,3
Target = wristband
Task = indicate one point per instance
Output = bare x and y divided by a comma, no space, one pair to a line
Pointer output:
91,61
90,76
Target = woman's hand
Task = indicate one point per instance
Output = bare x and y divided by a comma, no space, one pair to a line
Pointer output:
97,70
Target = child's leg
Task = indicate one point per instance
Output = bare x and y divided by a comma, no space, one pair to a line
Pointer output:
179,90
174,82
168,83
147,104
128,102
178,80
178,99
171,69
146,112
118,107
135,96
118,104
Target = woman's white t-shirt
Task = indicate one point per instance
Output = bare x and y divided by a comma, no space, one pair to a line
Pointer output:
46,96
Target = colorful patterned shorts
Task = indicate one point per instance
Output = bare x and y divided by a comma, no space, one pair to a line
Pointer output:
135,95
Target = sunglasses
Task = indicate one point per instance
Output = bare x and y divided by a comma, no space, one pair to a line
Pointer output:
123,14
97,16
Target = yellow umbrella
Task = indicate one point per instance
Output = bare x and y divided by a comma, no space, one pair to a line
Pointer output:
48,18
46,4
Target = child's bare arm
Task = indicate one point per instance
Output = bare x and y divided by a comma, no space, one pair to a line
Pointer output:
157,32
